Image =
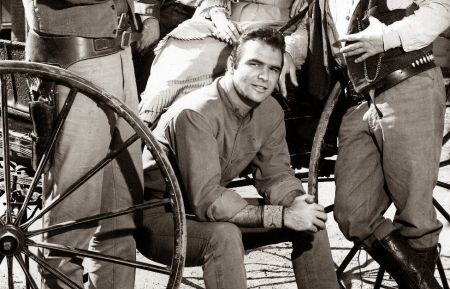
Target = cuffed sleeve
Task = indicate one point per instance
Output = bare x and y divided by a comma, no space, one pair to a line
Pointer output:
290,196
421,28
205,6
391,39
297,44
274,178
191,137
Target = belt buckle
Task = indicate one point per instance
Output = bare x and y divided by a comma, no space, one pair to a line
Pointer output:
101,44
351,95
125,40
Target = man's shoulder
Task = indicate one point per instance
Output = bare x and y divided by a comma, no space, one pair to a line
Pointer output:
204,101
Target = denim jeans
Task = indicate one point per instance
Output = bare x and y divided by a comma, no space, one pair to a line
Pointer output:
88,134
392,159
219,247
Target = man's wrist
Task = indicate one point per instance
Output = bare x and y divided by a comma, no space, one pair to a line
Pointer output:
272,216
147,8
391,38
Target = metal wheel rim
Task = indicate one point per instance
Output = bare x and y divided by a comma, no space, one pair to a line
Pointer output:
100,96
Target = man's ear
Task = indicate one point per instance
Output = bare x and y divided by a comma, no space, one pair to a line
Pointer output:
230,64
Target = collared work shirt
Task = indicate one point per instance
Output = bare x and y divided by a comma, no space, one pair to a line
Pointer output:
213,144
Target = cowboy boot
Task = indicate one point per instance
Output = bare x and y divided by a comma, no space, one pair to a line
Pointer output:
428,257
402,262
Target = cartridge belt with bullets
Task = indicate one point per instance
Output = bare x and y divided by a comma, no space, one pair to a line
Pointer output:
417,66
64,51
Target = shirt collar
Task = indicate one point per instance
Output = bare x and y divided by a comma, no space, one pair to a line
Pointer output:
235,102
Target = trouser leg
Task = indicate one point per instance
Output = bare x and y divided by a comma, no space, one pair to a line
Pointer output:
408,142
216,246
411,130
86,138
312,261
122,188
360,200
311,254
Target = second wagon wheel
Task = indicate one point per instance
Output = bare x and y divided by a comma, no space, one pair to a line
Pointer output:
319,138
18,238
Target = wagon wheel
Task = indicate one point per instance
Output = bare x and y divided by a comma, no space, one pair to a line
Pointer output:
16,236
319,138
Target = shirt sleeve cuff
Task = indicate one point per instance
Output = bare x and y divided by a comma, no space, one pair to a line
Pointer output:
289,197
391,38
226,206
272,217
296,49
277,192
204,7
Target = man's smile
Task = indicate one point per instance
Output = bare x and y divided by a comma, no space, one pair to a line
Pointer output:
259,88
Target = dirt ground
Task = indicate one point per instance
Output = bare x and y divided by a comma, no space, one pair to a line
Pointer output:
270,266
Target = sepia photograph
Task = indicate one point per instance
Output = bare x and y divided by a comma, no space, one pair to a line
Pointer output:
224,144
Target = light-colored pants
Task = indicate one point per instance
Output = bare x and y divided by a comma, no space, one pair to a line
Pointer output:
219,247
392,159
88,134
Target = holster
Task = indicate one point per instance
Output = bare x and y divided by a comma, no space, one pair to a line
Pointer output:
43,117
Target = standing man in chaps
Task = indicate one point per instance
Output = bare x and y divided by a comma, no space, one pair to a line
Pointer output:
89,38
391,134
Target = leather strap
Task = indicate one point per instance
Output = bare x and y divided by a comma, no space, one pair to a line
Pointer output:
64,51
399,75
388,82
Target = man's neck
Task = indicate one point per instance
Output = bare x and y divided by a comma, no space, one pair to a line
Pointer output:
241,105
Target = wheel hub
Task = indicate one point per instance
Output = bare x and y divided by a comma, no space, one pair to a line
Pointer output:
11,240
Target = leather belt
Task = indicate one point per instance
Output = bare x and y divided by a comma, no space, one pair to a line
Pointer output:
63,51
388,82
399,75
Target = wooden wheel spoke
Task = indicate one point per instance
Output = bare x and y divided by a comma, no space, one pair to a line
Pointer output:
94,255
9,260
6,149
62,227
101,164
55,272
26,271
58,126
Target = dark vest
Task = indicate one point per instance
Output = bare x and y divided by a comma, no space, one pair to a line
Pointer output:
368,74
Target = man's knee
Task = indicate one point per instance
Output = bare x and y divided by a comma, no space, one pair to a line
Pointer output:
343,217
226,238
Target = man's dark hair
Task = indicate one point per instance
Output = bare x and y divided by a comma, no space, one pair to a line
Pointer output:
268,35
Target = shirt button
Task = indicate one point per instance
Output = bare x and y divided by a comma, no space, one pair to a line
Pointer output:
114,31
347,18
113,7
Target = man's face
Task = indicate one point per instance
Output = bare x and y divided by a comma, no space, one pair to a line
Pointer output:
256,73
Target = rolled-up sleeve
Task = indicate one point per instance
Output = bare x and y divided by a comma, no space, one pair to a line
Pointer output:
204,6
274,177
421,28
193,141
297,43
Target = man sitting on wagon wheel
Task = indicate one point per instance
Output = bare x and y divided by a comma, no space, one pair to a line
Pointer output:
213,134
